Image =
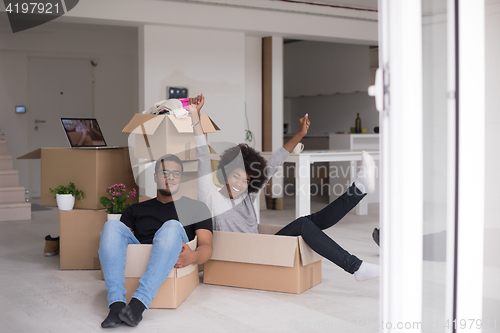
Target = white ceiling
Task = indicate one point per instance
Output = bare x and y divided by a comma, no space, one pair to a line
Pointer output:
365,4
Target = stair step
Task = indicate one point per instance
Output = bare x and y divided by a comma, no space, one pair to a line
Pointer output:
15,211
11,194
6,162
3,147
9,178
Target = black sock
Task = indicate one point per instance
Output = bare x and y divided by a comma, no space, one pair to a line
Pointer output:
132,313
112,319
376,236
137,307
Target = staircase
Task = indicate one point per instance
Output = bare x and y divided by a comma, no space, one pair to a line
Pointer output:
12,204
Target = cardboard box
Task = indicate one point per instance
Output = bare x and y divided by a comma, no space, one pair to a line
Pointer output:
262,261
92,171
173,291
79,231
157,135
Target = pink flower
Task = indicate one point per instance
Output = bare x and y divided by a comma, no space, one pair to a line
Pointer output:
118,194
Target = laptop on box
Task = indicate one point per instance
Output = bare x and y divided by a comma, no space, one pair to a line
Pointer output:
84,133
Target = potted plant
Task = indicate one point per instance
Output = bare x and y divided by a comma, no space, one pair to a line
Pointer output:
66,195
115,205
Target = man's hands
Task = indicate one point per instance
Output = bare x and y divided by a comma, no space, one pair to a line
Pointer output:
186,257
304,124
198,102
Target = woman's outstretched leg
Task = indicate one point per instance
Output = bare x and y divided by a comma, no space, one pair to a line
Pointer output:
321,243
311,227
329,249
337,209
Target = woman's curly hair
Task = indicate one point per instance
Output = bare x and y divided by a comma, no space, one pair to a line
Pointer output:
251,161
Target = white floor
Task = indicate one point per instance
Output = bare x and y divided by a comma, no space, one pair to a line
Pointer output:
37,297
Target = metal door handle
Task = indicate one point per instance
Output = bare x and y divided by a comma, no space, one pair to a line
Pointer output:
39,121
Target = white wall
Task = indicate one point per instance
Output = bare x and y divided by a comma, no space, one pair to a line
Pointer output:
491,291
256,17
492,114
317,68
204,61
334,113
114,49
329,81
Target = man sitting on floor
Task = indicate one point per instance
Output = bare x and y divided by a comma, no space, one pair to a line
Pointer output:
168,222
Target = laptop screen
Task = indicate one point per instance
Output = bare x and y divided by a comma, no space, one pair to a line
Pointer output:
83,132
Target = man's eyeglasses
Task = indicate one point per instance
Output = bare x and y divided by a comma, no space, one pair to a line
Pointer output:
175,174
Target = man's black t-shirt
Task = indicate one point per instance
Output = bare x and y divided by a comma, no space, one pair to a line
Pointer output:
145,218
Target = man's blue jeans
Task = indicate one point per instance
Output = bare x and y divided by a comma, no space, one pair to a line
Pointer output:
167,245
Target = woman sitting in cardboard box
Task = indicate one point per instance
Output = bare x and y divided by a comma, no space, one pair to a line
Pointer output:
245,173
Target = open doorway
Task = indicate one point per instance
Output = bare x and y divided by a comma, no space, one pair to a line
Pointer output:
330,81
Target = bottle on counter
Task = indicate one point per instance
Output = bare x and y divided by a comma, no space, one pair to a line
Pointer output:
358,124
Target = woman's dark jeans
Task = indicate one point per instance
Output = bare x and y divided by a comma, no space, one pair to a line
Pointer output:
311,228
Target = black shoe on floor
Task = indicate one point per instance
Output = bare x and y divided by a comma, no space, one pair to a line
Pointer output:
376,236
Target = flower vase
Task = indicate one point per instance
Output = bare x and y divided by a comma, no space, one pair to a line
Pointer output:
65,201
114,217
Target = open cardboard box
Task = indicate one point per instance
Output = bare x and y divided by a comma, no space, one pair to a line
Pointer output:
262,261
79,231
157,135
92,171
173,291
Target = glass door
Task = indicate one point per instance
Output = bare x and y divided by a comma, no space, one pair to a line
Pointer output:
429,91
399,82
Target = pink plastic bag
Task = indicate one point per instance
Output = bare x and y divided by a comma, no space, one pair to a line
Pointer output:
185,103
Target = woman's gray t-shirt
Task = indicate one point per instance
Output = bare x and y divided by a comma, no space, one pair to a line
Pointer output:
227,214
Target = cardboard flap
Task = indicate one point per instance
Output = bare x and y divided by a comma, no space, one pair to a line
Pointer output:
307,255
269,229
182,125
138,257
32,155
188,269
143,124
190,166
208,124
254,248
144,198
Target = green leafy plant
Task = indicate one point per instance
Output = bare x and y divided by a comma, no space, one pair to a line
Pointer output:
68,189
118,195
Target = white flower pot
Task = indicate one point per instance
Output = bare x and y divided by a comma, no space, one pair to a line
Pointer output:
114,217
65,201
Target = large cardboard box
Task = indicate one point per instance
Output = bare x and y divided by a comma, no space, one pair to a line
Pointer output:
92,171
174,290
79,231
157,135
262,261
